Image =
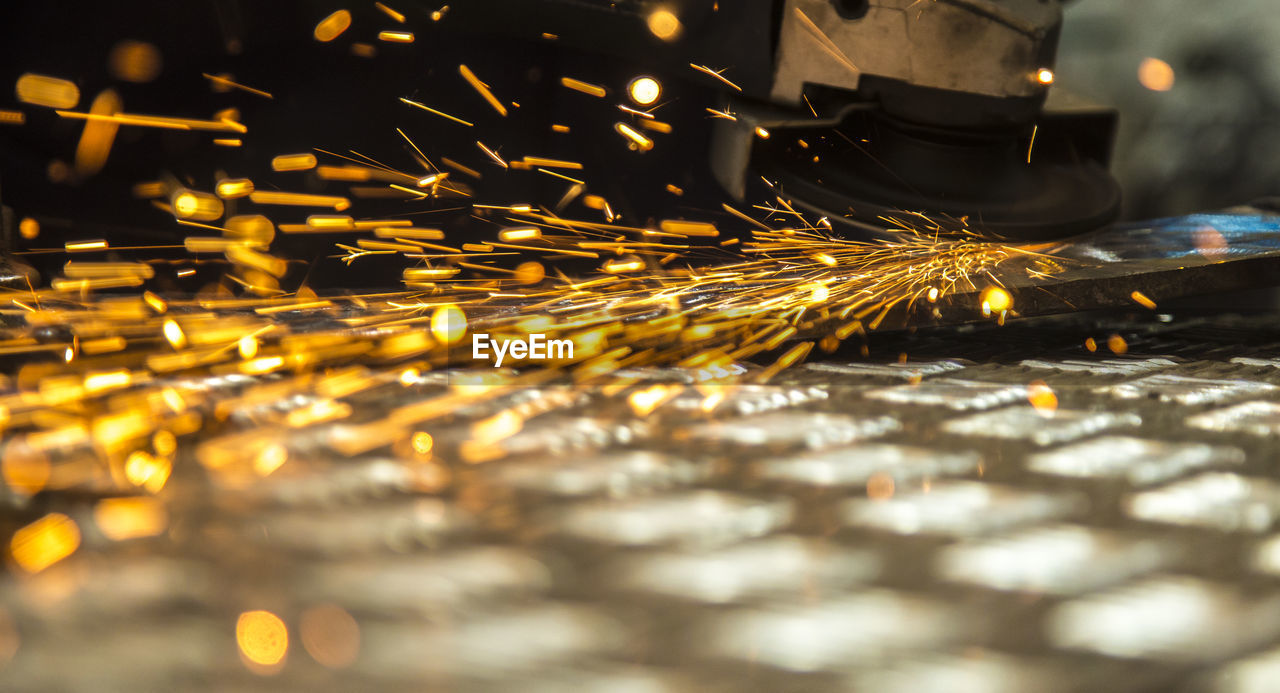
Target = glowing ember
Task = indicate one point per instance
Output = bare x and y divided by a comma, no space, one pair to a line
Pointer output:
44,542
644,90
262,638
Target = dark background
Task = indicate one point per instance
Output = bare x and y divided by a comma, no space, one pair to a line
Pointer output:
328,98
1212,141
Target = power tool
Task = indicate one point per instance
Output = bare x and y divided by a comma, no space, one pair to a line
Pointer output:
861,110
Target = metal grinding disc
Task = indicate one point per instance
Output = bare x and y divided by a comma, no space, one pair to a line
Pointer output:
871,168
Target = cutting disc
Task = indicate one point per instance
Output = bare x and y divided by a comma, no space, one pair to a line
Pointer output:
872,167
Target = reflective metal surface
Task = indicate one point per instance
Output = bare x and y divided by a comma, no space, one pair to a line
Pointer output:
999,510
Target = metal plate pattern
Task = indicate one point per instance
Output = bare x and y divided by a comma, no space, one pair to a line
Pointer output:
919,520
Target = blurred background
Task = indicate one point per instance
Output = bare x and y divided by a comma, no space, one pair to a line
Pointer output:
1198,88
